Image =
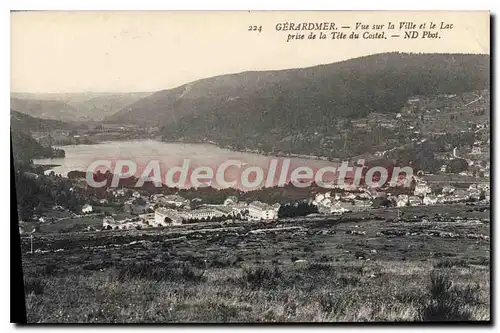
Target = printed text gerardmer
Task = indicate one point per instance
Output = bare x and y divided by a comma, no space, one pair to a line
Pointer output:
291,26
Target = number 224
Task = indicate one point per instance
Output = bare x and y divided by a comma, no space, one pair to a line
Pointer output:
255,28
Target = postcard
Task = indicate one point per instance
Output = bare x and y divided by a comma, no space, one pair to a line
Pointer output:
251,166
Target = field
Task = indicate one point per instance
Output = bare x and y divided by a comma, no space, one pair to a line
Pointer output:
432,264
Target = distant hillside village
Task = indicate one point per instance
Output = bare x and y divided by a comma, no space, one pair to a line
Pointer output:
423,194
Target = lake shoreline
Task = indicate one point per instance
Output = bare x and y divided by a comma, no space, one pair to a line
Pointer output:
228,147
169,154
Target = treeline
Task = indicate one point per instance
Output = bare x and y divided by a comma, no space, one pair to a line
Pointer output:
297,209
205,195
36,195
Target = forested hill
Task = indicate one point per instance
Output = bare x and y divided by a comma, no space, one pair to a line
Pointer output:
25,148
251,103
23,122
47,109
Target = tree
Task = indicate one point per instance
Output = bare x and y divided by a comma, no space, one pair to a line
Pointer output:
457,165
381,202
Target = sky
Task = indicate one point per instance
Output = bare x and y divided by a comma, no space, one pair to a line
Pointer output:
127,51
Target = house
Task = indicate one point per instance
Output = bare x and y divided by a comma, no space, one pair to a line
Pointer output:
326,202
475,194
430,199
361,205
239,208
156,197
123,223
377,193
174,200
86,209
231,200
443,168
414,201
205,213
402,200
325,199
349,196
448,189
364,195
166,216
442,198
225,210
475,151
484,186
338,208
135,206
460,195
318,198
108,222
421,189
261,211
119,192
148,218
132,224
387,125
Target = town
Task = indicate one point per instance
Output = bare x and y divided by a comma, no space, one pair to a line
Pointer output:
129,208
446,139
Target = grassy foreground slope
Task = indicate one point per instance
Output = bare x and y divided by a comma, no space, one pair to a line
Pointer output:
329,270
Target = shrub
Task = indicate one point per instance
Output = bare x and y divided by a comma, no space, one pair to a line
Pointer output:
325,257
336,304
261,276
187,273
150,271
317,267
50,269
360,254
448,302
33,285
348,280
446,263
220,263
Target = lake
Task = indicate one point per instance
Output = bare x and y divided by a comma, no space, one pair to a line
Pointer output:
79,157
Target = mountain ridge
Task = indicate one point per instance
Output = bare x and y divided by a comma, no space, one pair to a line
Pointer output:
22,122
351,88
81,107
